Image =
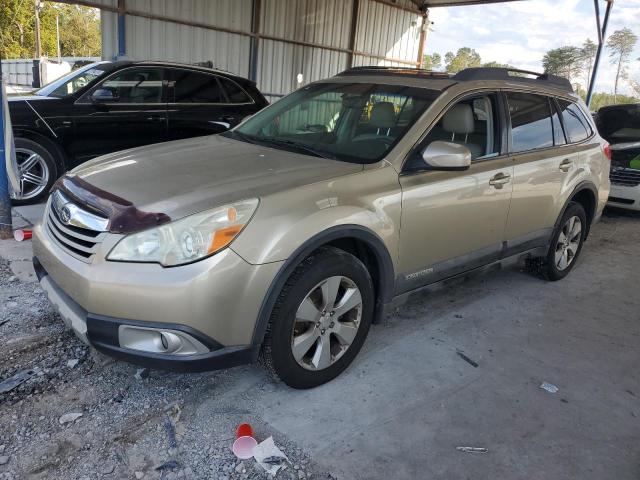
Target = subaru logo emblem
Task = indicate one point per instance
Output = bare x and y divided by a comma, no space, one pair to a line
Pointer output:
65,215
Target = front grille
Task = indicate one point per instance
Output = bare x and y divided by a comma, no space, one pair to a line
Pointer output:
626,177
80,243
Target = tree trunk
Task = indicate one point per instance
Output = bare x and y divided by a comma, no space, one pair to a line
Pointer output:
615,88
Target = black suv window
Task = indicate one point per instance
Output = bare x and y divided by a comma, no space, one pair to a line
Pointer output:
196,87
575,123
531,125
234,92
135,85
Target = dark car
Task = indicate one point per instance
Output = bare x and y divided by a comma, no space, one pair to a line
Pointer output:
108,106
620,126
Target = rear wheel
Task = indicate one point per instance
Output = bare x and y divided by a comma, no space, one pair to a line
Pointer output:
320,319
566,243
36,171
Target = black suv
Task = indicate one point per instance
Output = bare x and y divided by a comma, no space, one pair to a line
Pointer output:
108,106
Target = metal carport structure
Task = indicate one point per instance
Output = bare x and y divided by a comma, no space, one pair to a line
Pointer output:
281,44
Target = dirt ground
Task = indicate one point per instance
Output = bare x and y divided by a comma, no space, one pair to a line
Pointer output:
399,412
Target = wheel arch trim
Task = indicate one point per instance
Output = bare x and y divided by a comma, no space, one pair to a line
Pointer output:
385,287
581,187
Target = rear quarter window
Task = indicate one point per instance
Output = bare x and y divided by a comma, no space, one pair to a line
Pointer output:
576,125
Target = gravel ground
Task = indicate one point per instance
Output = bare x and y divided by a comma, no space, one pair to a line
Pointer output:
149,425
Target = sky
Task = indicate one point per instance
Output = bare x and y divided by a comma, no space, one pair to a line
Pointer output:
520,33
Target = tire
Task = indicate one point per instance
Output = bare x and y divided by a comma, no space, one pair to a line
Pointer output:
298,316
566,244
42,168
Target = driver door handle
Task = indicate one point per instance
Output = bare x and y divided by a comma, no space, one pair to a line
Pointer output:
499,180
566,164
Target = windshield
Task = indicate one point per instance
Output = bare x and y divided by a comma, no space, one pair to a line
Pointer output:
73,81
354,122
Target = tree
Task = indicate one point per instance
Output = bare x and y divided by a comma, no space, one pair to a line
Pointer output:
621,45
465,57
565,61
432,62
589,50
17,29
79,31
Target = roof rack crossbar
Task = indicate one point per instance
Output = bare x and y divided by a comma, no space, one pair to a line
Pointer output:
494,73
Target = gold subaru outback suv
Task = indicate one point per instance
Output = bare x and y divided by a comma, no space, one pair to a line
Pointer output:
285,238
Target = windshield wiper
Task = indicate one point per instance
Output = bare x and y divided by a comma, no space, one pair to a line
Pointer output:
298,146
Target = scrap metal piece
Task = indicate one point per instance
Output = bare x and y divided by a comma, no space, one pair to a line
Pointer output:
18,379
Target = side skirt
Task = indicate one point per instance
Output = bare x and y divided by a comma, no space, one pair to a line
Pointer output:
497,265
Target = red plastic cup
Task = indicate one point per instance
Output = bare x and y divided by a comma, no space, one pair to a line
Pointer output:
244,430
21,235
245,443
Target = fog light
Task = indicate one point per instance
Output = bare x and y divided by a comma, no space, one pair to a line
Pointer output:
157,340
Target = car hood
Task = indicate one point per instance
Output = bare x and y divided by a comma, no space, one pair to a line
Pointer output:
187,176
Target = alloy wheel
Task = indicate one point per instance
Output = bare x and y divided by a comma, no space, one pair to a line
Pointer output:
33,174
326,323
568,243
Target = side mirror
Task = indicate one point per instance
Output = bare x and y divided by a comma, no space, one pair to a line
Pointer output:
446,156
103,95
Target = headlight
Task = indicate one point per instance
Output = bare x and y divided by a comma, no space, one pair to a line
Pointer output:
186,240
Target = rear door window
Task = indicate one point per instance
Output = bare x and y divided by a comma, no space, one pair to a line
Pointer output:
196,87
531,124
575,123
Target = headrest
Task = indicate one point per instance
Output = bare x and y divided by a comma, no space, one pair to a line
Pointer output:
383,115
459,119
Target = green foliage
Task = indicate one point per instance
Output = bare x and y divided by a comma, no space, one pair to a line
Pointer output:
432,62
565,61
621,44
602,99
79,29
465,57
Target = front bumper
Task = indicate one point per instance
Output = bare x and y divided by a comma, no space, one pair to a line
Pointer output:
102,333
215,301
624,197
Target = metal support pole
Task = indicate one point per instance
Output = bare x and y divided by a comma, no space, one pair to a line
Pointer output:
254,47
58,37
37,30
423,37
122,43
5,201
602,36
353,31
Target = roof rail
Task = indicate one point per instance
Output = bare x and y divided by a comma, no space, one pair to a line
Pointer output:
514,75
377,70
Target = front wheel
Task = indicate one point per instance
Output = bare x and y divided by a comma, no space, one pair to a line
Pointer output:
320,320
36,171
566,243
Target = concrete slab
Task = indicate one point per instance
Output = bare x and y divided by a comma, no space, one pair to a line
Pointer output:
409,400
29,214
